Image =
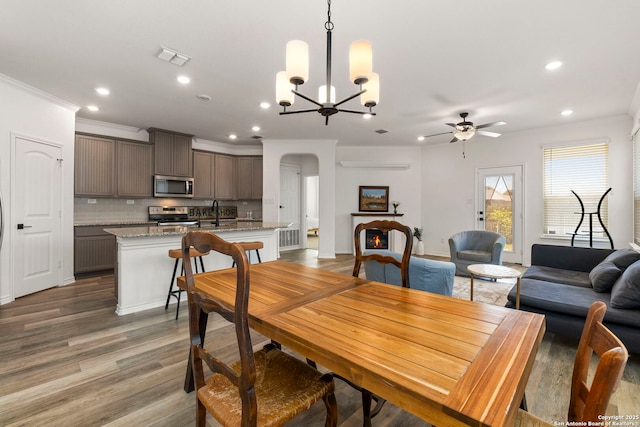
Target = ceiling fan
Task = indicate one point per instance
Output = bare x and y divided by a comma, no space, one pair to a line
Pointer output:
464,130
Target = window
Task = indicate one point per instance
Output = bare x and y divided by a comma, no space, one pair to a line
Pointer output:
636,188
582,169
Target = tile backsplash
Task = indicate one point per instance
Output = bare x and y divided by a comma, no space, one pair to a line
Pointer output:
98,210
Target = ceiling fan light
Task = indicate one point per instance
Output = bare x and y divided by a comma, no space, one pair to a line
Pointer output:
322,95
464,134
284,96
360,61
372,96
297,61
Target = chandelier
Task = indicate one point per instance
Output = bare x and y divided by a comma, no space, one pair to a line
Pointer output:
297,72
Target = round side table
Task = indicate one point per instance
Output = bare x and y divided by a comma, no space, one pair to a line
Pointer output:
495,272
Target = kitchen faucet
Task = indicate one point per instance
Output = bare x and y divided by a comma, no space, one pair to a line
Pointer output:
216,208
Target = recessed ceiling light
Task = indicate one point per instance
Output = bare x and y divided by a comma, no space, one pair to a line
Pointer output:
554,65
255,128
204,97
102,90
421,138
184,80
92,108
265,105
567,112
233,136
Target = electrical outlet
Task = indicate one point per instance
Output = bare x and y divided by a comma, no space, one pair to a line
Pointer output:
442,240
131,202
92,201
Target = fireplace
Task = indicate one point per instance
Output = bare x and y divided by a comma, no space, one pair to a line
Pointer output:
376,239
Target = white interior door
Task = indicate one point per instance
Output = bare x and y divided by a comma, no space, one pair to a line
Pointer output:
499,207
290,206
37,230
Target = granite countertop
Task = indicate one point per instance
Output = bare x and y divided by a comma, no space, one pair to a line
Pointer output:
112,223
168,230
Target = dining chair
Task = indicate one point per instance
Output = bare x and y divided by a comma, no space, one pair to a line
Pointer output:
264,388
589,402
403,264
385,227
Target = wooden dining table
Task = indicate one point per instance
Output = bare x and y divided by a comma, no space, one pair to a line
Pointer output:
449,361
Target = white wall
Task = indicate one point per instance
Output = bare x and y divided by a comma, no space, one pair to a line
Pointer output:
405,184
449,193
32,113
274,150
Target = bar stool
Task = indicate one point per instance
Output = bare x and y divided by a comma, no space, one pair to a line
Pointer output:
177,255
251,246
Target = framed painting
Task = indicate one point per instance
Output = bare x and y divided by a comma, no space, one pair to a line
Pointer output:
373,199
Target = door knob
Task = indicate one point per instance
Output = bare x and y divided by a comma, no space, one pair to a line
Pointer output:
22,226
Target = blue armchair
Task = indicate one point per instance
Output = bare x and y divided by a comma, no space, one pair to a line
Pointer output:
424,274
476,247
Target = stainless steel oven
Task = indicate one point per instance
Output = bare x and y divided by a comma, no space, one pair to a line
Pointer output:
172,186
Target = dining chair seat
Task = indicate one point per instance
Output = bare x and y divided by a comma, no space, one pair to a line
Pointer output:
279,379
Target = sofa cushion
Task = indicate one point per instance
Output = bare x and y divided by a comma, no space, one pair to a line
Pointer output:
604,275
626,291
570,300
479,256
557,275
623,258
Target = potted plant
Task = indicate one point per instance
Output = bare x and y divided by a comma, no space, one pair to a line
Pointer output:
417,233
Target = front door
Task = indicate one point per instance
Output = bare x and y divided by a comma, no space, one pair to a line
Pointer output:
37,201
499,207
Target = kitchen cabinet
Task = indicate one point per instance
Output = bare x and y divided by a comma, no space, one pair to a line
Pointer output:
134,171
172,152
95,166
108,167
224,177
203,176
249,178
94,250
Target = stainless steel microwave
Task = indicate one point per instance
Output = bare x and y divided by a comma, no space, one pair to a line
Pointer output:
172,186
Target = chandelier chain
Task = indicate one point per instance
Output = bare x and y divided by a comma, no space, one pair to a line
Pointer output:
328,25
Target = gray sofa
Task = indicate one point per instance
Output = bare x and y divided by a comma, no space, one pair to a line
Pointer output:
424,274
475,247
563,282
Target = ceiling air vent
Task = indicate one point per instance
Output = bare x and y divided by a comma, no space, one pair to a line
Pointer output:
381,131
257,137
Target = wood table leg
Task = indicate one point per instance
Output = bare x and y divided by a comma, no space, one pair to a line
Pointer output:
471,287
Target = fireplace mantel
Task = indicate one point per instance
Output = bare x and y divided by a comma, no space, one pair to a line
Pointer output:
396,241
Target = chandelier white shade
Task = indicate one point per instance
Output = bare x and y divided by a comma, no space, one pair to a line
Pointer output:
297,61
372,95
297,73
322,95
284,89
360,61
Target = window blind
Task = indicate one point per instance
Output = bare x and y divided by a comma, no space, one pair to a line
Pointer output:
583,169
636,189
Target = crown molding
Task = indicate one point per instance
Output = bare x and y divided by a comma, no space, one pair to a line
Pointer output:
39,93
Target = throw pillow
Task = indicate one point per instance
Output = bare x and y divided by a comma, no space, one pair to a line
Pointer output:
626,291
623,258
603,276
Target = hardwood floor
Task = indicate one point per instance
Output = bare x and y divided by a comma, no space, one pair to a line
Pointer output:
67,359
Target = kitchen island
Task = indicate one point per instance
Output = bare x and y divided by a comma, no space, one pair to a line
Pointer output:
144,269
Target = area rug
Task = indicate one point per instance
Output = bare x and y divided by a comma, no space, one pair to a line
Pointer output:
484,290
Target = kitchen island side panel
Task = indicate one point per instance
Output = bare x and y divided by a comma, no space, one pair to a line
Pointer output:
144,268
